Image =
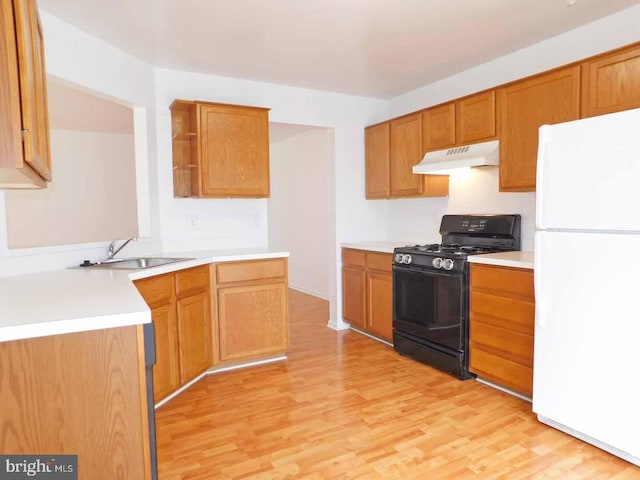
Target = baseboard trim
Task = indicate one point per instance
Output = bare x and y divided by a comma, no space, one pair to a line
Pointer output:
367,334
214,370
503,389
309,292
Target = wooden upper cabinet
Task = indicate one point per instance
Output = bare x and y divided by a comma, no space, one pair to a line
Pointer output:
611,82
439,127
25,159
405,152
377,183
524,106
220,150
405,142
476,118
235,151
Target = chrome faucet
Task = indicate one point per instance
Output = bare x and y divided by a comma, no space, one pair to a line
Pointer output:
112,251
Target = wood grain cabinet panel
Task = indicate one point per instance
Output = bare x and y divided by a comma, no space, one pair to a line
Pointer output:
251,270
25,159
234,151
253,321
166,371
353,296
194,332
379,304
252,313
524,106
476,118
219,150
405,152
377,181
367,291
78,394
502,326
439,127
611,82
181,312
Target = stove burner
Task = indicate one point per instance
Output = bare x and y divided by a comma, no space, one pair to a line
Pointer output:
452,248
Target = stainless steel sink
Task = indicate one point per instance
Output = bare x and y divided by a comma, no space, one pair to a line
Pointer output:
137,263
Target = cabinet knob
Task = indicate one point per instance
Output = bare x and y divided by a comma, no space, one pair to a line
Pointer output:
24,132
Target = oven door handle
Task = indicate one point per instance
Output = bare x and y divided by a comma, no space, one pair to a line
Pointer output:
427,272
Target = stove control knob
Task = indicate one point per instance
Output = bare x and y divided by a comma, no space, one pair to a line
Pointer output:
407,259
399,258
437,262
448,263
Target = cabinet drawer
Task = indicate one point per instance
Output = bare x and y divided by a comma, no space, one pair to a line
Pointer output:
251,270
353,258
494,368
508,281
192,280
379,261
508,344
510,313
156,290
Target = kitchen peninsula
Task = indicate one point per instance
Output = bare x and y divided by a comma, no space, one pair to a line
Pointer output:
73,376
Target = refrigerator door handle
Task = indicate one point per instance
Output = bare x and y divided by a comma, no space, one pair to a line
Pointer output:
537,282
542,142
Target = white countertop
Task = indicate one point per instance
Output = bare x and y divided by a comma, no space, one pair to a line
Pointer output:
82,299
383,246
505,259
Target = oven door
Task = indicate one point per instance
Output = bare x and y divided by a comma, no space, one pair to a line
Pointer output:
430,305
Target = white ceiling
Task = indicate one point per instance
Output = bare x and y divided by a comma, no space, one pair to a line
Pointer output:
375,48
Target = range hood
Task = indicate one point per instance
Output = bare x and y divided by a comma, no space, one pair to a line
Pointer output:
445,162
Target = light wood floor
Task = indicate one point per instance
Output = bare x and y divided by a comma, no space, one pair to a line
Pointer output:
346,406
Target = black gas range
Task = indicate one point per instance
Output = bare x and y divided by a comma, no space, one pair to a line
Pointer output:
431,289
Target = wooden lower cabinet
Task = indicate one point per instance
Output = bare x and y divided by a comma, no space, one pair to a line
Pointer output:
353,296
252,310
252,321
502,325
181,313
166,371
78,394
379,304
194,332
367,291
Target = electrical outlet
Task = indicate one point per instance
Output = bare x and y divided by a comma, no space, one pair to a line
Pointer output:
192,222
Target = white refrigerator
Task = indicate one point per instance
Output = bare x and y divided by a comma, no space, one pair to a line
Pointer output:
586,379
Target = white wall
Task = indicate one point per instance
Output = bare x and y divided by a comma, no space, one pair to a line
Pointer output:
418,219
299,218
91,198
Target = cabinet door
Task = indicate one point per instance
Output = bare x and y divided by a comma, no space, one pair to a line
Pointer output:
194,332
166,375
439,127
544,99
353,296
33,87
234,151
476,118
502,326
253,321
376,149
405,137
611,82
379,309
